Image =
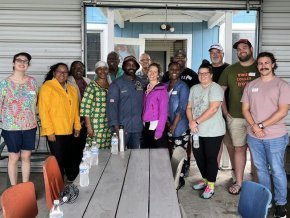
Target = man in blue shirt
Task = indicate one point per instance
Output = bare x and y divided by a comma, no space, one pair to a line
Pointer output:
125,103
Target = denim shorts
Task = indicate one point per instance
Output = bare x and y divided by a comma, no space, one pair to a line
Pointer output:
17,140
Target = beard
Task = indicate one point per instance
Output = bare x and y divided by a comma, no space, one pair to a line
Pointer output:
245,58
130,71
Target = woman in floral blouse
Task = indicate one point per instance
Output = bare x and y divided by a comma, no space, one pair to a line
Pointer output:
93,107
18,96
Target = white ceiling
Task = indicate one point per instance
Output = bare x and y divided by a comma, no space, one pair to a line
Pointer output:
162,15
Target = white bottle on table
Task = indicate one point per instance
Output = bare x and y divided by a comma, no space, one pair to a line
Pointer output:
87,154
84,173
121,138
95,153
114,144
56,211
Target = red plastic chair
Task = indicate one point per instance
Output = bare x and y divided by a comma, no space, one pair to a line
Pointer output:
19,201
52,180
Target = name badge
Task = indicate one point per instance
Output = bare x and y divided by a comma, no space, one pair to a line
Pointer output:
153,125
123,91
252,74
174,93
255,89
32,92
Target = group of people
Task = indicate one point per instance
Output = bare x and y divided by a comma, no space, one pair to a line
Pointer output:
241,105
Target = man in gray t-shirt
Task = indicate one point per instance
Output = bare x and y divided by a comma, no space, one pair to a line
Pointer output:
265,105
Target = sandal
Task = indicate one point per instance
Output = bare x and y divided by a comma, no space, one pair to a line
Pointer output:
233,176
235,189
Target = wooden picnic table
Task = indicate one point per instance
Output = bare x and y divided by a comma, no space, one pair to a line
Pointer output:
136,183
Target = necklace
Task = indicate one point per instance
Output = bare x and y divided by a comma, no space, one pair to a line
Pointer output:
103,87
14,78
150,87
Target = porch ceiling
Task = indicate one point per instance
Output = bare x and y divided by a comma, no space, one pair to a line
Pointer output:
159,15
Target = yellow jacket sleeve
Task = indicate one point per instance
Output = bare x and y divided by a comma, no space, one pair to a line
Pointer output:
77,123
44,108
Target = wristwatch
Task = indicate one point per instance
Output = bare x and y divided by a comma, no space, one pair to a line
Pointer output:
261,126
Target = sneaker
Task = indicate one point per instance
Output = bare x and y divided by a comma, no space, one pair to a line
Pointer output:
280,211
208,193
199,185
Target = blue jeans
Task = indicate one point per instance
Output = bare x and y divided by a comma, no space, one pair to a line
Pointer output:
133,139
269,154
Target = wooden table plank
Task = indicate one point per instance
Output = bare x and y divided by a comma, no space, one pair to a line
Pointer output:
163,197
78,208
134,199
104,202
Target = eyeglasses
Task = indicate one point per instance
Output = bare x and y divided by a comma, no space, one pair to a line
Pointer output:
215,52
179,57
20,61
145,59
61,72
203,74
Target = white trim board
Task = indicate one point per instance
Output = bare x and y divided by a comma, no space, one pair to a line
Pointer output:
187,37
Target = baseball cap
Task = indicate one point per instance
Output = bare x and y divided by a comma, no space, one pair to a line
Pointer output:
180,52
216,46
130,58
245,41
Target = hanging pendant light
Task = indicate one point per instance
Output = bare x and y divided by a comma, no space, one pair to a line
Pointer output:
165,26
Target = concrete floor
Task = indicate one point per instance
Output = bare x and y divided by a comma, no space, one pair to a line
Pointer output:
222,204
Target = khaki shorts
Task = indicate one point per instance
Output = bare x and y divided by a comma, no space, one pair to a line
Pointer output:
238,131
227,138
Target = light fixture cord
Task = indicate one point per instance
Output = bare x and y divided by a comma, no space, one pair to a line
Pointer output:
166,14
165,35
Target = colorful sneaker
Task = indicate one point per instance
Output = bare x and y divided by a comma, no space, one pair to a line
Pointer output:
208,193
199,185
280,211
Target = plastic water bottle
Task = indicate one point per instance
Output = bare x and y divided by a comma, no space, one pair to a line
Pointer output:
55,211
87,154
84,173
195,139
95,153
121,139
114,144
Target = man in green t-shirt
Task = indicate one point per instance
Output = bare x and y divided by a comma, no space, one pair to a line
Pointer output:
235,78
113,60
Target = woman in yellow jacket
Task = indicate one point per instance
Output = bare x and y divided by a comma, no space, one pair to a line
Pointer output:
59,114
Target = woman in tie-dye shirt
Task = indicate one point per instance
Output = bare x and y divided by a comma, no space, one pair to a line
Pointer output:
18,95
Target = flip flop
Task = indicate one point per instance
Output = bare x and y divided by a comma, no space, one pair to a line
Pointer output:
235,189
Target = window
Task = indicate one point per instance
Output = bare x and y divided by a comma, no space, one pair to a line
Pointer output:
93,50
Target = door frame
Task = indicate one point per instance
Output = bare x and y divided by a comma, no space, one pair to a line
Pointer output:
186,37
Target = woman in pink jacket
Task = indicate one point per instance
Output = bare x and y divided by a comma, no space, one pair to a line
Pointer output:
155,110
